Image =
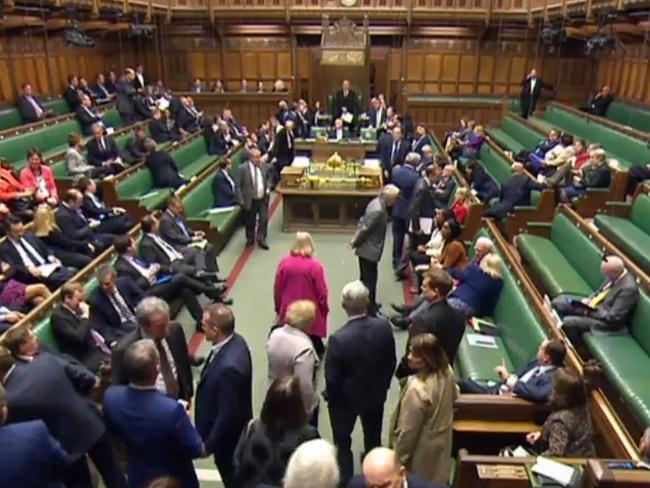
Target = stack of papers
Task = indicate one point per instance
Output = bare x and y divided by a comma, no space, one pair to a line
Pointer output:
479,340
371,163
300,162
557,472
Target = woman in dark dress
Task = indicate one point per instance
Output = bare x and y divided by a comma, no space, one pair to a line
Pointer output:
265,447
72,252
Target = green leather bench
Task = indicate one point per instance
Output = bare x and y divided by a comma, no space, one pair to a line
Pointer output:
520,333
567,263
631,235
514,136
10,117
628,150
199,201
629,115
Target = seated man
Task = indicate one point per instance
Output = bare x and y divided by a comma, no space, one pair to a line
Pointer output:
533,382
594,174
159,130
188,118
100,89
103,150
444,186
220,138
514,192
339,132
609,309
74,332
554,157
113,302
225,189
73,223
135,149
163,168
535,156
31,260
30,107
192,244
599,103
112,220
88,116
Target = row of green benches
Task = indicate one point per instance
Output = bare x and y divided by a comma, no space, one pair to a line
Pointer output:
10,117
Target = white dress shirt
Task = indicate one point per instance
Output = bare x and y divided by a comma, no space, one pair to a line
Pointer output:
160,381
258,183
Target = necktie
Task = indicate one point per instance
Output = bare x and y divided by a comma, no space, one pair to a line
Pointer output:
207,363
37,108
102,146
394,152
171,384
100,342
172,253
600,297
36,258
184,230
122,308
289,139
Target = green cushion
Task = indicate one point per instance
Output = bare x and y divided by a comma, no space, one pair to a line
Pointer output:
506,141
629,115
479,365
496,166
10,118
369,134
58,105
317,132
48,140
45,335
641,213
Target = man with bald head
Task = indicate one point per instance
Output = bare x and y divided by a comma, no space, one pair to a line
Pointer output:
515,191
609,309
382,469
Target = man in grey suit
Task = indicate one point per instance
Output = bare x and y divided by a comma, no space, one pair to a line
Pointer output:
124,100
254,182
609,309
368,240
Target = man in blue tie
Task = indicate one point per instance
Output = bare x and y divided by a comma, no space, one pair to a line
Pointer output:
225,189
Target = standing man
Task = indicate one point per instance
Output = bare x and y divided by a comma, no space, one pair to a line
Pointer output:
376,114
124,101
224,392
283,148
530,91
346,99
368,240
395,153
405,178
156,430
254,181
358,368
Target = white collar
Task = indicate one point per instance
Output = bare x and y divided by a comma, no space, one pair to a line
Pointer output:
142,388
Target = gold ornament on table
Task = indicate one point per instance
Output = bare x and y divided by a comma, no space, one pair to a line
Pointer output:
335,161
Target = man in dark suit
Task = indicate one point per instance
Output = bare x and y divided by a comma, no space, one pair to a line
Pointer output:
531,88
514,192
444,187
74,332
346,98
141,107
135,149
30,258
30,107
420,140
358,369
31,456
339,132
422,205
140,79
159,130
435,316
376,114
125,96
87,116
113,302
599,103
533,382
71,93
112,220
395,153
101,90
163,168
283,149
103,150
187,117
223,405
225,189
381,467
54,390
405,178
175,375
220,140
192,244
608,310
369,238
255,185
155,429
74,223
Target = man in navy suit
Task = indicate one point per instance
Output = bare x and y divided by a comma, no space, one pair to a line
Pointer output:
405,178
30,107
223,395
103,150
164,170
376,114
113,302
382,468
156,430
87,116
31,457
358,369
533,382
420,140
224,187
51,389
515,191
395,153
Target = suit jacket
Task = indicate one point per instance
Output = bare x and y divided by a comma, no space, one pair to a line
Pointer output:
598,105
31,456
74,337
360,363
97,156
413,481
514,192
171,230
102,93
71,96
140,84
124,97
149,250
537,89
87,117
370,235
223,397
73,224
29,179
384,144
404,177
225,194
422,203
246,185
164,171
418,144
388,159
178,346
157,433
10,254
102,311
135,150
217,142
159,131
92,211
351,102
27,110
345,133
186,120
618,306
372,115
124,268
538,388
54,390
141,108
442,191
282,150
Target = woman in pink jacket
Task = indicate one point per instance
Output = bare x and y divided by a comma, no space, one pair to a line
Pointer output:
300,276
38,176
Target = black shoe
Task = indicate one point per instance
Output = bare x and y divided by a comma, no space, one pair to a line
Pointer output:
226,301
197,361
214,293
400,322
208,275
263,245
220,280
400,309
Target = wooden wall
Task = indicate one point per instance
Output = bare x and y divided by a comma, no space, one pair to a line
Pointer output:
628,74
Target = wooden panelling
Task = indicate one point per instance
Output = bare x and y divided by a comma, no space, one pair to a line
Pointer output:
628,73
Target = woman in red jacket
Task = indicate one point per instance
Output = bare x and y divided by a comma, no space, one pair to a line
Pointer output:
459,207
39,177
14,194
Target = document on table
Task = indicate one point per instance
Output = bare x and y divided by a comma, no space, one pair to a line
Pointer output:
558,472
479,340
371,163
300,162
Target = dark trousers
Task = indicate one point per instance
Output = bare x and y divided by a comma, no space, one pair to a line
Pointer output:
575,325
368,275
399,232
183,287
117,225
226,470
72,259
258,212
103,456
343,416
128,119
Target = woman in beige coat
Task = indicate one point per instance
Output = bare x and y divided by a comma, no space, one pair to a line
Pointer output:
421,427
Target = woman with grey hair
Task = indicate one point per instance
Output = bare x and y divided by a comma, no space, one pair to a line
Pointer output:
313,464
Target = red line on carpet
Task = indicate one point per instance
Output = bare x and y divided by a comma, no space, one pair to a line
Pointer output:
407,284
197,339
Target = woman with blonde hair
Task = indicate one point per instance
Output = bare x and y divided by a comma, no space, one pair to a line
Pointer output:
300,276
421,425
72,252
460,207
480,287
